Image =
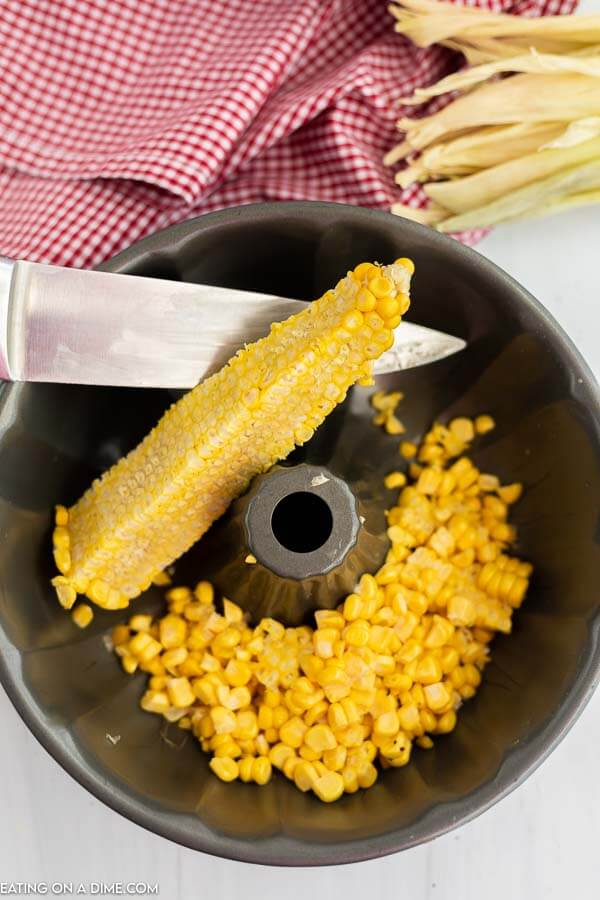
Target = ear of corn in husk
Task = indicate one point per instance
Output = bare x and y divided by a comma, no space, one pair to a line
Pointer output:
156,502
527,112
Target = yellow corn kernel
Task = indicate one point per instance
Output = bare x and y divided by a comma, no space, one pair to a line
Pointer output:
367,588
329,787
82,615
352,736
393,425
305,775
335,759
154,667
140,622
180,692
237,673
408,449
246,727
272,698
428,670
222,433
320,738
261,770
510,493
387,724
265,717
280,716
407,263
226,747
367,775
245,766
461,610
408,717
308,754
61,516
172,631
224,720
289,766
316,714
155,702
292,732
224,768
357,634
66,593
395,480
171,659
462,429
483,424
436,696
446,722
239,698
279,753
352,607
144,647
472,675
350,780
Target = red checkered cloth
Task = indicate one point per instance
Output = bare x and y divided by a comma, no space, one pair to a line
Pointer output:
119,117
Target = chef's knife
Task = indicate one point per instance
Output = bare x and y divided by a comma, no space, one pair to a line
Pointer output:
76,326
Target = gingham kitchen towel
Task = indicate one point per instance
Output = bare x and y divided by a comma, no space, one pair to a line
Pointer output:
119,117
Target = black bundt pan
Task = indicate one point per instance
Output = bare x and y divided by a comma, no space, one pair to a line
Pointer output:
519,366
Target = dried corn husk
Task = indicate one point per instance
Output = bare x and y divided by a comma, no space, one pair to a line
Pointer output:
484,187
492,146
533,62
529,200
428,22
522,98
523,135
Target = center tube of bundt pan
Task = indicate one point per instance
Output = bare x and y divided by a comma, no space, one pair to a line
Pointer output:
297,541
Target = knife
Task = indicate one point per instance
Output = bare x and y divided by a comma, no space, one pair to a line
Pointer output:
79,326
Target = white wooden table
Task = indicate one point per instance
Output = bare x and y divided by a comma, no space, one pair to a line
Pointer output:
541,843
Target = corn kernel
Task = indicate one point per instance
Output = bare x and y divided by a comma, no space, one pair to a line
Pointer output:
329,787
483,424
180,692
224,768
320,738
82,615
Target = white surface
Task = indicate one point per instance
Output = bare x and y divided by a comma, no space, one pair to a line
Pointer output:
540,843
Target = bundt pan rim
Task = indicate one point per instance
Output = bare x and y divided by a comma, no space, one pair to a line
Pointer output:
516,766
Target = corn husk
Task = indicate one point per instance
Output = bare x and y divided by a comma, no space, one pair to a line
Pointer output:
575,133
484,187
533,63
491,146
428,22
529,200
522,98
522,138
561,204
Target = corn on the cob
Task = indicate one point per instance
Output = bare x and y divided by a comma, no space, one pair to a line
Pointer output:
155,503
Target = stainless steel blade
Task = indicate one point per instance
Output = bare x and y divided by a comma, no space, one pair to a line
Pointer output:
88,327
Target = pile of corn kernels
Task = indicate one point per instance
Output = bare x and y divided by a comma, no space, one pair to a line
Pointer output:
389,668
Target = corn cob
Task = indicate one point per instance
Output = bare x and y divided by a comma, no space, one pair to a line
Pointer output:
153,504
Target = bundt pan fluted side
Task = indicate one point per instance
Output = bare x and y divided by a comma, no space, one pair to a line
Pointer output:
519,367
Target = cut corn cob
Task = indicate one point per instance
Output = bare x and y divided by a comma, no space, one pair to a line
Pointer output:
156,502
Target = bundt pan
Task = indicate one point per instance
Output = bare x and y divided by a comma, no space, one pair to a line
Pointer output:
519,367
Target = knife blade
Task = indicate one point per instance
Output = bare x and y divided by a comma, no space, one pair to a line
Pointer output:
79,326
